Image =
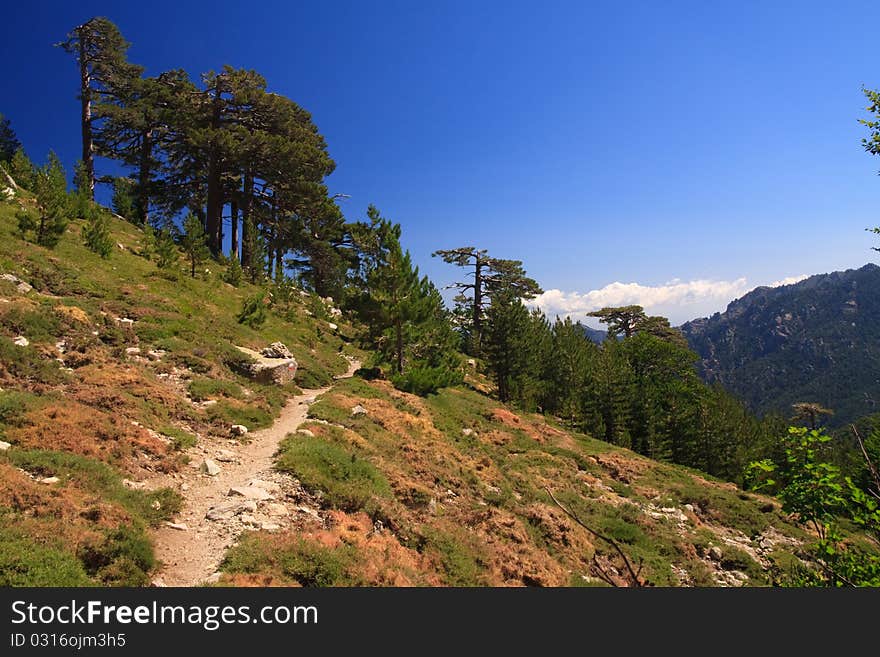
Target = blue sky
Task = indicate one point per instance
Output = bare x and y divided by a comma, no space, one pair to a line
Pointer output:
685,150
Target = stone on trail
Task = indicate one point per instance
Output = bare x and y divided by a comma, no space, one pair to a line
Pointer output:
238,430
210,468
251,492
179,526
270,486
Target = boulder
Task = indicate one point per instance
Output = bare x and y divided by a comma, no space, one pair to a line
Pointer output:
276,510
358,410
210,468
132,351
715,553
49,480
277,350
238,430
4,445
267,370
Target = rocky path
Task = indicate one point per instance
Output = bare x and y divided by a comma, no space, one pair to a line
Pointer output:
245,492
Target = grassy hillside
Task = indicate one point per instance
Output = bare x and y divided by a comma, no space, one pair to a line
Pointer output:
452,490
97,403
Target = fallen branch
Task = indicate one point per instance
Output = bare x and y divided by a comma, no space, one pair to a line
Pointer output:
635,580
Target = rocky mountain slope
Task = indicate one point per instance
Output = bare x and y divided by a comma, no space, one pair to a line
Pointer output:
816,341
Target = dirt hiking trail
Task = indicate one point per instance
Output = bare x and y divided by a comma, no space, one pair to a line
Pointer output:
246,493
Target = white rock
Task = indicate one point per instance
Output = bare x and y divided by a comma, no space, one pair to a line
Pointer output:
132,351
467,432
121,246
213,578
21,341
210,468
270,526
49,480
715,553
270,486
335,312
275,509
125,321
251,492
226,456
229,509
155,505
179,526
23,287
134,485
305,432
332,326
471,362
358,410
155,354
184,486
4,445
238,430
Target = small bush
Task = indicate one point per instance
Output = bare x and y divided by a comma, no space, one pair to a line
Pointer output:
348,482
253,417
123,558
305,562
40,325
424,381
24,562
24,364
202,389
96,234
253,311
233,273
181,439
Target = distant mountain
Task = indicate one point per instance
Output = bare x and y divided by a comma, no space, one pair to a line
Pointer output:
594,335
817,341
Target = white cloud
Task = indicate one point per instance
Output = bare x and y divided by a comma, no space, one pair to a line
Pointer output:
678,300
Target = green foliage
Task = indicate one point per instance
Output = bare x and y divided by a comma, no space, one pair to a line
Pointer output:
9,143
250,415
426,380
460,562
202,389
164,249
123,200
24,364
23,171
253,311
347,482
233,273
124,557
24,562
96,234
193,242
303,561
818,495
50,188
871,143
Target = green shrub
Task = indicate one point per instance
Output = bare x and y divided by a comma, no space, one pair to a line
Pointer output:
348,482
251,416
40,325
460,563
202,389
233,273
425,380
123,558
305,562
96,234
23,562
253,311
24,364
181,439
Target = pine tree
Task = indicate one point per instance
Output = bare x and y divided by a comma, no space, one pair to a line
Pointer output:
53,202
571,356
9,143
165,248
100,51
491,277
81,205
23,171
233,273
123,198
96,234
193,243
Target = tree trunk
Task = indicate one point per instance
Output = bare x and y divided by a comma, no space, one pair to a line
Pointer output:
233,248
88,147
144,175
247,226
477,336
279,263
398,328
215,183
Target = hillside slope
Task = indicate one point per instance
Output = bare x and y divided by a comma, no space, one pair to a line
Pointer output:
379,488
109,370
815,341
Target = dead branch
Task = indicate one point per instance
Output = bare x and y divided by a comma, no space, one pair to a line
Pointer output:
633,574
